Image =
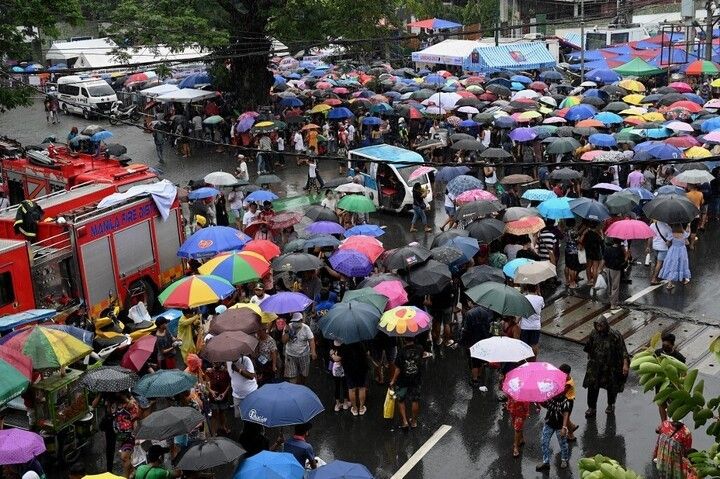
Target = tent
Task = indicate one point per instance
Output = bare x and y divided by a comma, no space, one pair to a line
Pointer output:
109,58
638,67
159,90
67,50
448,52
434,24
513,57
186,95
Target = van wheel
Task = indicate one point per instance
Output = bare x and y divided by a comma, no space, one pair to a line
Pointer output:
86,114
144,292
65,109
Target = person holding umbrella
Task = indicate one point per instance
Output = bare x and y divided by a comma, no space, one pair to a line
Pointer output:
556,423
418,207
407,378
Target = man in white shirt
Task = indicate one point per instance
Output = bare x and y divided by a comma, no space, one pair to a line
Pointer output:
299,349
530,326
662,233
351,134
260,294
298,142
242,380
249,215
241,172
280,143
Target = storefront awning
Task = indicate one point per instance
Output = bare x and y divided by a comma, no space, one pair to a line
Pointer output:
513,57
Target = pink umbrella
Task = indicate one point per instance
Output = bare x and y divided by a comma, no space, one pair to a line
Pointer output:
323,85
341,91
591,155
475,195
712,137
684,141
420,171
629,230
394,291
534,382
554,120
681,87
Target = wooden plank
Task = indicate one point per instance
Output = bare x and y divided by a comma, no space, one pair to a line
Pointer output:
709,364
582,331
630,323
640,339
698,347
581,314
559,307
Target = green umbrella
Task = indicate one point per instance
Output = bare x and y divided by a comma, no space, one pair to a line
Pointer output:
13,383
295,203
638,67
213,120
501,298
366,295
356,204
621,202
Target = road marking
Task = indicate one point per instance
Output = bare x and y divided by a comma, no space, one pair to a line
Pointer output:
642,293
420,453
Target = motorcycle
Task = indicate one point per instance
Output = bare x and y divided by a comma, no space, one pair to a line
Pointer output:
116,329
119,113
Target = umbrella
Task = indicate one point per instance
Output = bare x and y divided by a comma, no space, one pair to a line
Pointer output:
405,321
477,210
565,174
325,227
297,262
101,136
621,202
341,470
525,226
629,230
47,348
356,204
469,247
285,303
511,266
467,145
671,209
203,193
169,422
518,212
207,242
607,186
481,274
322,242
523,134
589,209
265,248
694,177
90,130
351,263
534,382
236,268
210,453
562,145
351,322
406,257
220,178
475,195
463,183
448,255
235,319
282,220
109,379
445,236
165,383
448,173
339,113
229,346
18,446
502,299
393,290
14,382
517,179
367,245
270,465
535,273
138,353
580,112
321,213
501,349
642,193
367,296
261,196
350,188
196,290
365,229
486,230
669,190
430,278
281,404
538,194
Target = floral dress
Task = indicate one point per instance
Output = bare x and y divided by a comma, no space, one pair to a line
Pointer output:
672,444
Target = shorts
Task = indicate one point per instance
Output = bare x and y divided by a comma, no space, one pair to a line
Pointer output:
450,211
659,255
356,381
411,393
236,407
531,337
297,365
518,423
126,441
442,316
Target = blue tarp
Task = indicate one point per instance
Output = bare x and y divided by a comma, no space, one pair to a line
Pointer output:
590,55
523,56
601,64
389,154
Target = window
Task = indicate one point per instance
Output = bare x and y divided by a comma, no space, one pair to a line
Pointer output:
7,292
595,40
71,90
133,248
83,92
100,90
618,38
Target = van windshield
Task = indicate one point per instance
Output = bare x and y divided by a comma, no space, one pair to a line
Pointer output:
100,90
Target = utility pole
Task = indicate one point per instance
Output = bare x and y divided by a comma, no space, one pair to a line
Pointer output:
582,40
709,29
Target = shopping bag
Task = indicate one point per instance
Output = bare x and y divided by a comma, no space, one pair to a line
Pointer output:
648,258
582,256
389,407
600,282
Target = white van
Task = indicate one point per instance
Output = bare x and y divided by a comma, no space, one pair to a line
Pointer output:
84,97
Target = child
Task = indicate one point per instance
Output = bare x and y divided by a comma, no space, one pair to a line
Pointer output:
341,392
570,395
519,411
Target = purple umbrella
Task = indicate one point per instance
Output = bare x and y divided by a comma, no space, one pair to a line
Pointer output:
351,263
284,303
325,228
523,134
245,123
18,446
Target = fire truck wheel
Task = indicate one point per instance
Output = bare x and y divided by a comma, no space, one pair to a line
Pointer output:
146,294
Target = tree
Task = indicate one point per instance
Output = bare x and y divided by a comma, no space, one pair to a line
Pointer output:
20,22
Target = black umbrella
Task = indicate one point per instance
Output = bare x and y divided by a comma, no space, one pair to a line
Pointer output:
486,230
496,153
321,213
477,209
584,130
169,422
448,235
468,145
565,174
296,262
593,100
109,379
468,102
115,149
430,278
268,180
671,209
563,145
616,106
499,90
614,90
481,274
447,254
407,257
671,98
565,131
213,452
461,137
376,279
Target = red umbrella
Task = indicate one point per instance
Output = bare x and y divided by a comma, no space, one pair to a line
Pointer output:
138,353
285,219
684,141
333,101
136,78
538,86
253,227
681,87
17,360
487,96
367,245
267,249
414,114
692,107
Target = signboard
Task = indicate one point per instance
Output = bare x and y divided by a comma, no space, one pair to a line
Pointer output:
119,220
418,57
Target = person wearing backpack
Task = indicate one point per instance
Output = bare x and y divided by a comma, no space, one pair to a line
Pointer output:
154,468
406,380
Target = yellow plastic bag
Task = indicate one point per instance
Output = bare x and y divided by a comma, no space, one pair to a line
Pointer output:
389,407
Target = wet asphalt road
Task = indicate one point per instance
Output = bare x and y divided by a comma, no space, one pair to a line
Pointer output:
479,441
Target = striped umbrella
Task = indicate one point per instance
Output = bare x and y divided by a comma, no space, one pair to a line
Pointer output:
13,383
47,348
237,268
194,291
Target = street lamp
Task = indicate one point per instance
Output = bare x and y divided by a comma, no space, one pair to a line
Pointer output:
582,40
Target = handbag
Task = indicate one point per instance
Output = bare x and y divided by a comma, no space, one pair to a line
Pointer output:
582,256
389,406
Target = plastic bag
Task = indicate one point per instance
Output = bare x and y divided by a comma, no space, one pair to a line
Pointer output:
600,282
389,407
582,256
648,258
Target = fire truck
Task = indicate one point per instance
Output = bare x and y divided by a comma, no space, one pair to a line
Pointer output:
37,173
87,253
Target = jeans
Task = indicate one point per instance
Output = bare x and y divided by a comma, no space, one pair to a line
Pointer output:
418,214
159,151
593,394
261,163
545,436
317,178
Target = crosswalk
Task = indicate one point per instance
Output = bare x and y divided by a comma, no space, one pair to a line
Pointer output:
572,318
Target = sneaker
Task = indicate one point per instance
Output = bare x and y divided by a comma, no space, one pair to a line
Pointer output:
346,405
438,342
338,406
354,411
563,464
449,343
543,466
362,411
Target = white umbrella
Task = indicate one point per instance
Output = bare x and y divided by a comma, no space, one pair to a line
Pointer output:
588,84
435,110
694,177
535,273
548,100
468,109
443,100
350,188
531,94
679,126
220,178
501,349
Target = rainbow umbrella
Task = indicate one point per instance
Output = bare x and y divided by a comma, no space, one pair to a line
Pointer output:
13,383
47,348
405,321
194,291
236,268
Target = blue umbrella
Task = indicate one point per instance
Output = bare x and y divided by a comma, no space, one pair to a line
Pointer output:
321,241
339,113
609,118
270,465
695,98
538,194
523,134
521,79
260,196
291,102
499,81
589,209
505,122
207,242
351,322
468,124
669,190
602,75
434,79
511,267
203,193
469,247
279,80
596,93
17,69
59,66
663,151
602,140
101,136
33,68
517,86
281,404
463,183
165,383
366,230
341,470
580,112
372,120
551,75
194,79
448,173
641,193
710,125
284,303
325,227
556,209
351,263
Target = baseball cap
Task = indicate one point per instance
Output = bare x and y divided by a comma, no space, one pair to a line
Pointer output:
296,317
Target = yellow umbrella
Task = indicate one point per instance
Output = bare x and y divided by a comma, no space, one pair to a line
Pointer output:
634,110
530,115
715,83
632,85
264,124
545,110
653,116
265,318
634,99
320,108
697,153
104,475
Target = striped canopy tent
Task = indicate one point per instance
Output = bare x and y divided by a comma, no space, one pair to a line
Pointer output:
518,57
